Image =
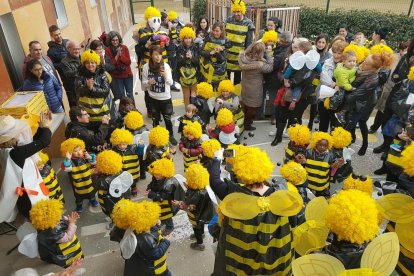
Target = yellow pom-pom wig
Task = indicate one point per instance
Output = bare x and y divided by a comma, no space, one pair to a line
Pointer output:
224,117
410,75
144,216
299,134
70,144
187,32
407,158
163,167
151,12
172,15
341,138
239,149
210,147
44,158
90,55
254,166
363,185
134,120
226,85
238,6
159,136
109,162
205,90
197,177
270,36
119,136
294,172
121,213
359,51
194,129
318,136
380,48
46,214
353,216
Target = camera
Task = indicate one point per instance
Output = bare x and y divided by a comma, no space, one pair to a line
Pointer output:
229,153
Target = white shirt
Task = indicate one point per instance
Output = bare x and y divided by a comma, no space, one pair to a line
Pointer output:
161,90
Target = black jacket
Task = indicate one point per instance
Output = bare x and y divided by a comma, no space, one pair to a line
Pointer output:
69,70
57,52
92,140
274,79
364,94
397,103
348,253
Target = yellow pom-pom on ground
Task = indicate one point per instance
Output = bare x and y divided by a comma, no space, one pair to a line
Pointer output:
121,213
224,117
410,75
239,6
226,85
44,158
187,32
205,90
197,177
299,134
133,120
353,216
407,160
269,36
210,147
151,12
109,162
172,15
159,136
163,167
341,138
46,214
70,144
294,172
358,184
119,136
319,136
194,129
90,55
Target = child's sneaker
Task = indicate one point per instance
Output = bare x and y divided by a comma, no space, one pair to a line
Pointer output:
93,202
396,147
340,116
292,105
79,208
196,246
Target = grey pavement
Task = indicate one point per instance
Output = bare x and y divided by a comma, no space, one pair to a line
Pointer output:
102,257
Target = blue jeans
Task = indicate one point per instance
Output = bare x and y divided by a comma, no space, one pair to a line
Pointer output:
123,87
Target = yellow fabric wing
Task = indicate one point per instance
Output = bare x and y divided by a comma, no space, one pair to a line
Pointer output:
317,265
398,208
285,203
237,89
405,232
309,236
316,209
240,206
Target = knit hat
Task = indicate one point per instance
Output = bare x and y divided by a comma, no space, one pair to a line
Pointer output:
205,90
197,177
172,15
294,173
341,138
318,136
46,214
194,129
299,134
109,162
210,147
151,12
159,136
269,36
163,167
91,56
238,6
70,144
226,85
134,120
119,136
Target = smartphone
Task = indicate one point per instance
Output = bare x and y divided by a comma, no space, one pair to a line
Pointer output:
229,153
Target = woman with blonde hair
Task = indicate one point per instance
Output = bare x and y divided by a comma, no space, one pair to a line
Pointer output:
253,65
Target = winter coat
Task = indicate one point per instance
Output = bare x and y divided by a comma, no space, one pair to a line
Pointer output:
273,80
92,140
57,52
122,65
188,68
388,86
50,87
203,207
47,65
69,67
398,102
252,79
344,76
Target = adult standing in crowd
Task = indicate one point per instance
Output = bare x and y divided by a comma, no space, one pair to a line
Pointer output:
69,68
98,47
57,46
240,31
203,29
122,78
343,31
35,52
379,35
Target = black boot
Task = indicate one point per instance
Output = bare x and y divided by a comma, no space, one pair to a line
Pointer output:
363,149
380,148
279,134
276,141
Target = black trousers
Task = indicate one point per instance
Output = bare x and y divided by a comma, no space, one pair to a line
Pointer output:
290,117
237,76
198,233
326,118
164,108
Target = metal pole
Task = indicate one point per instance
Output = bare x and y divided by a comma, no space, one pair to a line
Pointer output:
410,8
327,5
132,12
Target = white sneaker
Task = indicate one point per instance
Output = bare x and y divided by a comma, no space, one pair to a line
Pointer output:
285,135
272,133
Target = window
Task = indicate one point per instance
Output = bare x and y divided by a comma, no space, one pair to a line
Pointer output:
62,19
93,3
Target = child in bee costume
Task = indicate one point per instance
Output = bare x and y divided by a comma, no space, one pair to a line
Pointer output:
341,139
209,147
200,100
159,146
142,246
246,209
226,130
56,234
190,144
299,136
49,177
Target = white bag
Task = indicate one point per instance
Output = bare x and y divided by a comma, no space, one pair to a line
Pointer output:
326,91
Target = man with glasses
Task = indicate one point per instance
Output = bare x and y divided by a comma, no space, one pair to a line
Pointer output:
78,128
69,68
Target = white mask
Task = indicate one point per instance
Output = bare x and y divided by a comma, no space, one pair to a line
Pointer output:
154,23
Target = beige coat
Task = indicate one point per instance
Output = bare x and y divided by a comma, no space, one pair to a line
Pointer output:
252,79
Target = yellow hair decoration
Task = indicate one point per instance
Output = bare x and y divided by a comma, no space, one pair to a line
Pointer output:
225,85
407,158
90,55
353,216
270,36
172,15
210,147
119,136
187,32
318,136
380,48
151,12
253,166
410,75
357,183
109,162
163,167
44,158
239,7
197,177
121,213
159,136
239,149
294,173
299,134
70,144
205,90
359,51
134,120
46,214
145,216
194,129
224,117
341,138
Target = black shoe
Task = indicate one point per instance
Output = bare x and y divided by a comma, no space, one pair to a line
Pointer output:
249,127
276,141
196,246
380,171
379,149
383,156
193,237
175,87
173,141
363,149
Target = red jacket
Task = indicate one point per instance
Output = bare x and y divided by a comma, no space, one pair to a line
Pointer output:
123,61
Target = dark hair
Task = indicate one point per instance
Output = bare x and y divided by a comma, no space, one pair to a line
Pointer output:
403,45
277,21
111,35
342,25
155,67
53,28
95,44
30,65
75,112
164,15
410,50
199,27
382,32
33,42
124,103
324,36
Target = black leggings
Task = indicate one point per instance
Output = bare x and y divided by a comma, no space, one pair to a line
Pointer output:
165,108
285,116
326,118
198,233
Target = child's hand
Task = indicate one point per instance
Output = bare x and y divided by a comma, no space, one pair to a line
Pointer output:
208,127
68,155
173,149
73,217
87,155
336,88
403,135
151,81
300,158
338,163
175,202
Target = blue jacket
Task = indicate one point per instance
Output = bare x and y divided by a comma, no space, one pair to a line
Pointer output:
50,87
